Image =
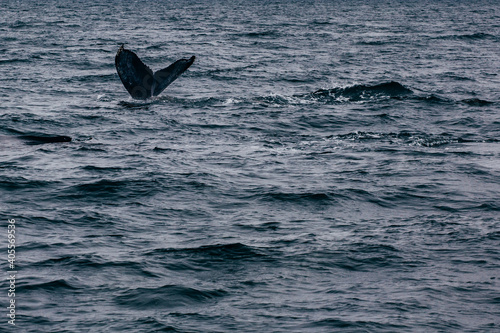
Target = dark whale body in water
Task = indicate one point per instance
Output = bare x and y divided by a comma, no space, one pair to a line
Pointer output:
36,139
40,139
139,79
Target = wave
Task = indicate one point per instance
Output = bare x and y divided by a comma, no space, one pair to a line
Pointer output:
345,197
374,42
21,183
435,99
260,34
476,102
317,200
52,286
478,35
11,61
168,296
470,36
353,326
321,21
411,138
20,24
136,104
233,251
87,261
299,197
107,188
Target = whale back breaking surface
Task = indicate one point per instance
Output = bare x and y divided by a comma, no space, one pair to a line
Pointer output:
41,139
33,139
139,79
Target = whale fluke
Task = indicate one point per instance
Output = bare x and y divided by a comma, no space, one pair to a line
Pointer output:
139,79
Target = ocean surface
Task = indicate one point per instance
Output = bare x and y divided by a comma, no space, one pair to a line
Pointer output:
323,166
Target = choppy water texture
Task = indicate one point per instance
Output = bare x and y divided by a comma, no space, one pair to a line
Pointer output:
323,166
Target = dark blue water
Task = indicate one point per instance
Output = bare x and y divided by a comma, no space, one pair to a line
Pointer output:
323,166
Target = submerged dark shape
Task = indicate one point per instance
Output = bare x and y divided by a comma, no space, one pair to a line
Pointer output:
41,139
139,79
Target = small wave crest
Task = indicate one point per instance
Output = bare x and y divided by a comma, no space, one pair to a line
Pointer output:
471,36
261,34
168,296
233,251
476,102
406,137
51,286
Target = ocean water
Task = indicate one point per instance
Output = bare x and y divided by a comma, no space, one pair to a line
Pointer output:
323,166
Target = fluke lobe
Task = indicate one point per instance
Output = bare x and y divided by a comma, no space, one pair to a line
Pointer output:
139,79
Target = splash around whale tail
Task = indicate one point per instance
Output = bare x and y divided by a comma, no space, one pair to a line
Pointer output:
139,79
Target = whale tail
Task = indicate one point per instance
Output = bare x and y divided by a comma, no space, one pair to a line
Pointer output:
139,79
